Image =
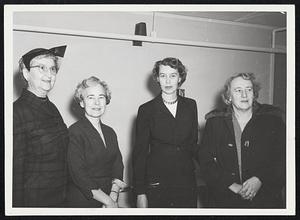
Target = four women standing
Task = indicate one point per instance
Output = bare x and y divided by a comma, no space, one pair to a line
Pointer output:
242,152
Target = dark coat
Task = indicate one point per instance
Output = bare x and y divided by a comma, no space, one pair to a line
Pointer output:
262,152
91,164
40,140
165,145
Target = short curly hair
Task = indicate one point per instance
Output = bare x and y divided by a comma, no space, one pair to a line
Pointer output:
90,82
173,63
247,76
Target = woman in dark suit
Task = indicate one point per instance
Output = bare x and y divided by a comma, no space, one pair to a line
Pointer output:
243,149
94,158
166,140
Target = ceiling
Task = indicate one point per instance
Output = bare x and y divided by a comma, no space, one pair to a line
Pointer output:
272,19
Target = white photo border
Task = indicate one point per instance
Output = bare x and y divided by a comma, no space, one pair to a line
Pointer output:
8,116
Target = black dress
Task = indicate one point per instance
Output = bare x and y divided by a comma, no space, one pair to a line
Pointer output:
163,166
40,140
91,164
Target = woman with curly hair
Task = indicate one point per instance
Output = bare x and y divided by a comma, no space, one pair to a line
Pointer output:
243,149
94,157
166,141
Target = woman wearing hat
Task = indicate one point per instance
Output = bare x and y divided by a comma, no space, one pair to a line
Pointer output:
40,136
94,157
166,141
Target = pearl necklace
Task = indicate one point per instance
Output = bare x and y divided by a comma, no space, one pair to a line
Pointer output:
170,103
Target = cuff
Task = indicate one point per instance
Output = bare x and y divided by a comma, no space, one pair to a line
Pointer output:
119,183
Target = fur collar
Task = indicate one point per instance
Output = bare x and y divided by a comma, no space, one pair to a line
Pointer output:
258,109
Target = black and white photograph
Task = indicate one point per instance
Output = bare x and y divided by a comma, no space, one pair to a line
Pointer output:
149,109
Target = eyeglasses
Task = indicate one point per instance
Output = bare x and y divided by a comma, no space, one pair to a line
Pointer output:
45,69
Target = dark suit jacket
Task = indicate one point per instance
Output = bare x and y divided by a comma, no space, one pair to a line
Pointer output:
40,140
262,150
165,145
91,164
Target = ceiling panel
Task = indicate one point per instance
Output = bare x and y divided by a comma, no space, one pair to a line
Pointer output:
272,19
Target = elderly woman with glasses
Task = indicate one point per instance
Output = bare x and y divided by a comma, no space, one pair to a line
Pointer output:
40,136
94,157
243,149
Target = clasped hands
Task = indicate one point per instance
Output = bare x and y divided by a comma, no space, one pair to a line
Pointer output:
113,203
117,185
248,189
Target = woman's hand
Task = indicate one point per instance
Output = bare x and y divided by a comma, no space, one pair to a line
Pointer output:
235,187
119,183
111,204
107,201
250,188
142,201
114,195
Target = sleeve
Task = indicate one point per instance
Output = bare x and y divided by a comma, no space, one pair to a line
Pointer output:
118,167
19,150
194,139
274,173
77,166
213,173
140,152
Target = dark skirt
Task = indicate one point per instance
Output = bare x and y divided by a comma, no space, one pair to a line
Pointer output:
172,197
76,199
263,199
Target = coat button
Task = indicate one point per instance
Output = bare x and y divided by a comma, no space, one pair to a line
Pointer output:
232,174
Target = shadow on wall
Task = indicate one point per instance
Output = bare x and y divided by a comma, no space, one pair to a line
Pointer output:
154,89
130,199
19,83
219,103
76,111
152,85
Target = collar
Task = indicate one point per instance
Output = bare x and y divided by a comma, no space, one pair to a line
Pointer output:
34,100
43,105
257,109
32,97
160,106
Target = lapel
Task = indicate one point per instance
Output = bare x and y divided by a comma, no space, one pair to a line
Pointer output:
105,134
160,106
228,120
162,109
181,108
92,131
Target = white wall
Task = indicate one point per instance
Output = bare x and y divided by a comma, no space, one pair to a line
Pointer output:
127,69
